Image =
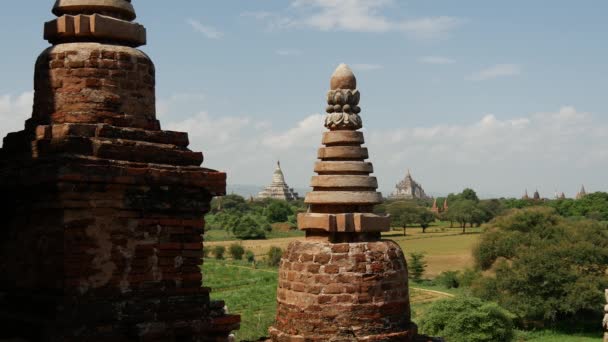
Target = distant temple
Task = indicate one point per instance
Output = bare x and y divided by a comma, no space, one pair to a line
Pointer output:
526,196
436,209
408,188
536,195
581,193
278,189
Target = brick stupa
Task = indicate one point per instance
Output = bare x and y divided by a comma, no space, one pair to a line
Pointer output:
343,283
102,211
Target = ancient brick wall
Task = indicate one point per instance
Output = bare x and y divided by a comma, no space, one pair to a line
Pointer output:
348,290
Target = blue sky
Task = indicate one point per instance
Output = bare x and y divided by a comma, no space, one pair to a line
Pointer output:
498,96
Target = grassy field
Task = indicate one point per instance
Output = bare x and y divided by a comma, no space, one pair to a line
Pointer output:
251,293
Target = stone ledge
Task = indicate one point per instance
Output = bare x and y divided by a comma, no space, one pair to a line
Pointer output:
94,27
344,166
343,137
344,181
344,223
343,152
344,197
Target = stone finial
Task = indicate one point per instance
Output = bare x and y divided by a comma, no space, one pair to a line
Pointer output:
343,100
100,21
120,9
343,78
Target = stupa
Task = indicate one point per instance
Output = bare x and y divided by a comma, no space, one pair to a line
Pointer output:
278,189
102,211
408,188
582,193
343,282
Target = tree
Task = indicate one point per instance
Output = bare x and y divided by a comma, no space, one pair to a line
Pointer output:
546,267
468,319
247,228
236,251
425,218
219,251
417,266
470,195
405,213
278,211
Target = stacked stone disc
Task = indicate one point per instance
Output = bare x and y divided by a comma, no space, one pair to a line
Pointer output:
343,283
103,212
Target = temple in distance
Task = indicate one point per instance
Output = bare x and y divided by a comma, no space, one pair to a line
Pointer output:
408,188
278,189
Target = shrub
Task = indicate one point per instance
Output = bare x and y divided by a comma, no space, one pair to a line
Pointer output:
248,228
206,251
219,251
417,266
449,279
274,256
249,256
468,319
466,278
545,268
236,251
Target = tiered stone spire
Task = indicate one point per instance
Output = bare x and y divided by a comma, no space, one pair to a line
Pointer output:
278,189
536,195
435,208
103,224
343,193
343,283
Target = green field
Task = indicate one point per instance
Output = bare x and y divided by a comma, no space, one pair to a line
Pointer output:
251,293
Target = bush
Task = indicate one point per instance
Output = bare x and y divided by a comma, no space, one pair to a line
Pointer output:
219,251
545,268
249,256
449,279
236,251
274,256
468,319
248,228
467,277
278,211
417,266
206,251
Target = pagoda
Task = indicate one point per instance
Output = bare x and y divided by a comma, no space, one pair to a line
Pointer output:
343,282
408,188
102,211
278,189
582,193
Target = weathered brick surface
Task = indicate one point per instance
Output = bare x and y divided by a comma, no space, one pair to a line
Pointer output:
102,212
94,83
352,291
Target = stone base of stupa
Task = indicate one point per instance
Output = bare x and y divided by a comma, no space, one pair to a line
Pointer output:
106,250
343,292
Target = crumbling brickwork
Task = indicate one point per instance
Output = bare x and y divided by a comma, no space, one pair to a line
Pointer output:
102,211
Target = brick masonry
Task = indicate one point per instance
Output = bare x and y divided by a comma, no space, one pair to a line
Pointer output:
102,211
343,292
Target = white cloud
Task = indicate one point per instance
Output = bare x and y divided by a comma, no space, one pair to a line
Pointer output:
494,155
355,16
207,31
366,67
14,110
496,71
436,60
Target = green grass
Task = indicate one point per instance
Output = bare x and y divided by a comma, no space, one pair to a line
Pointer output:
555,336
248,292
222,235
